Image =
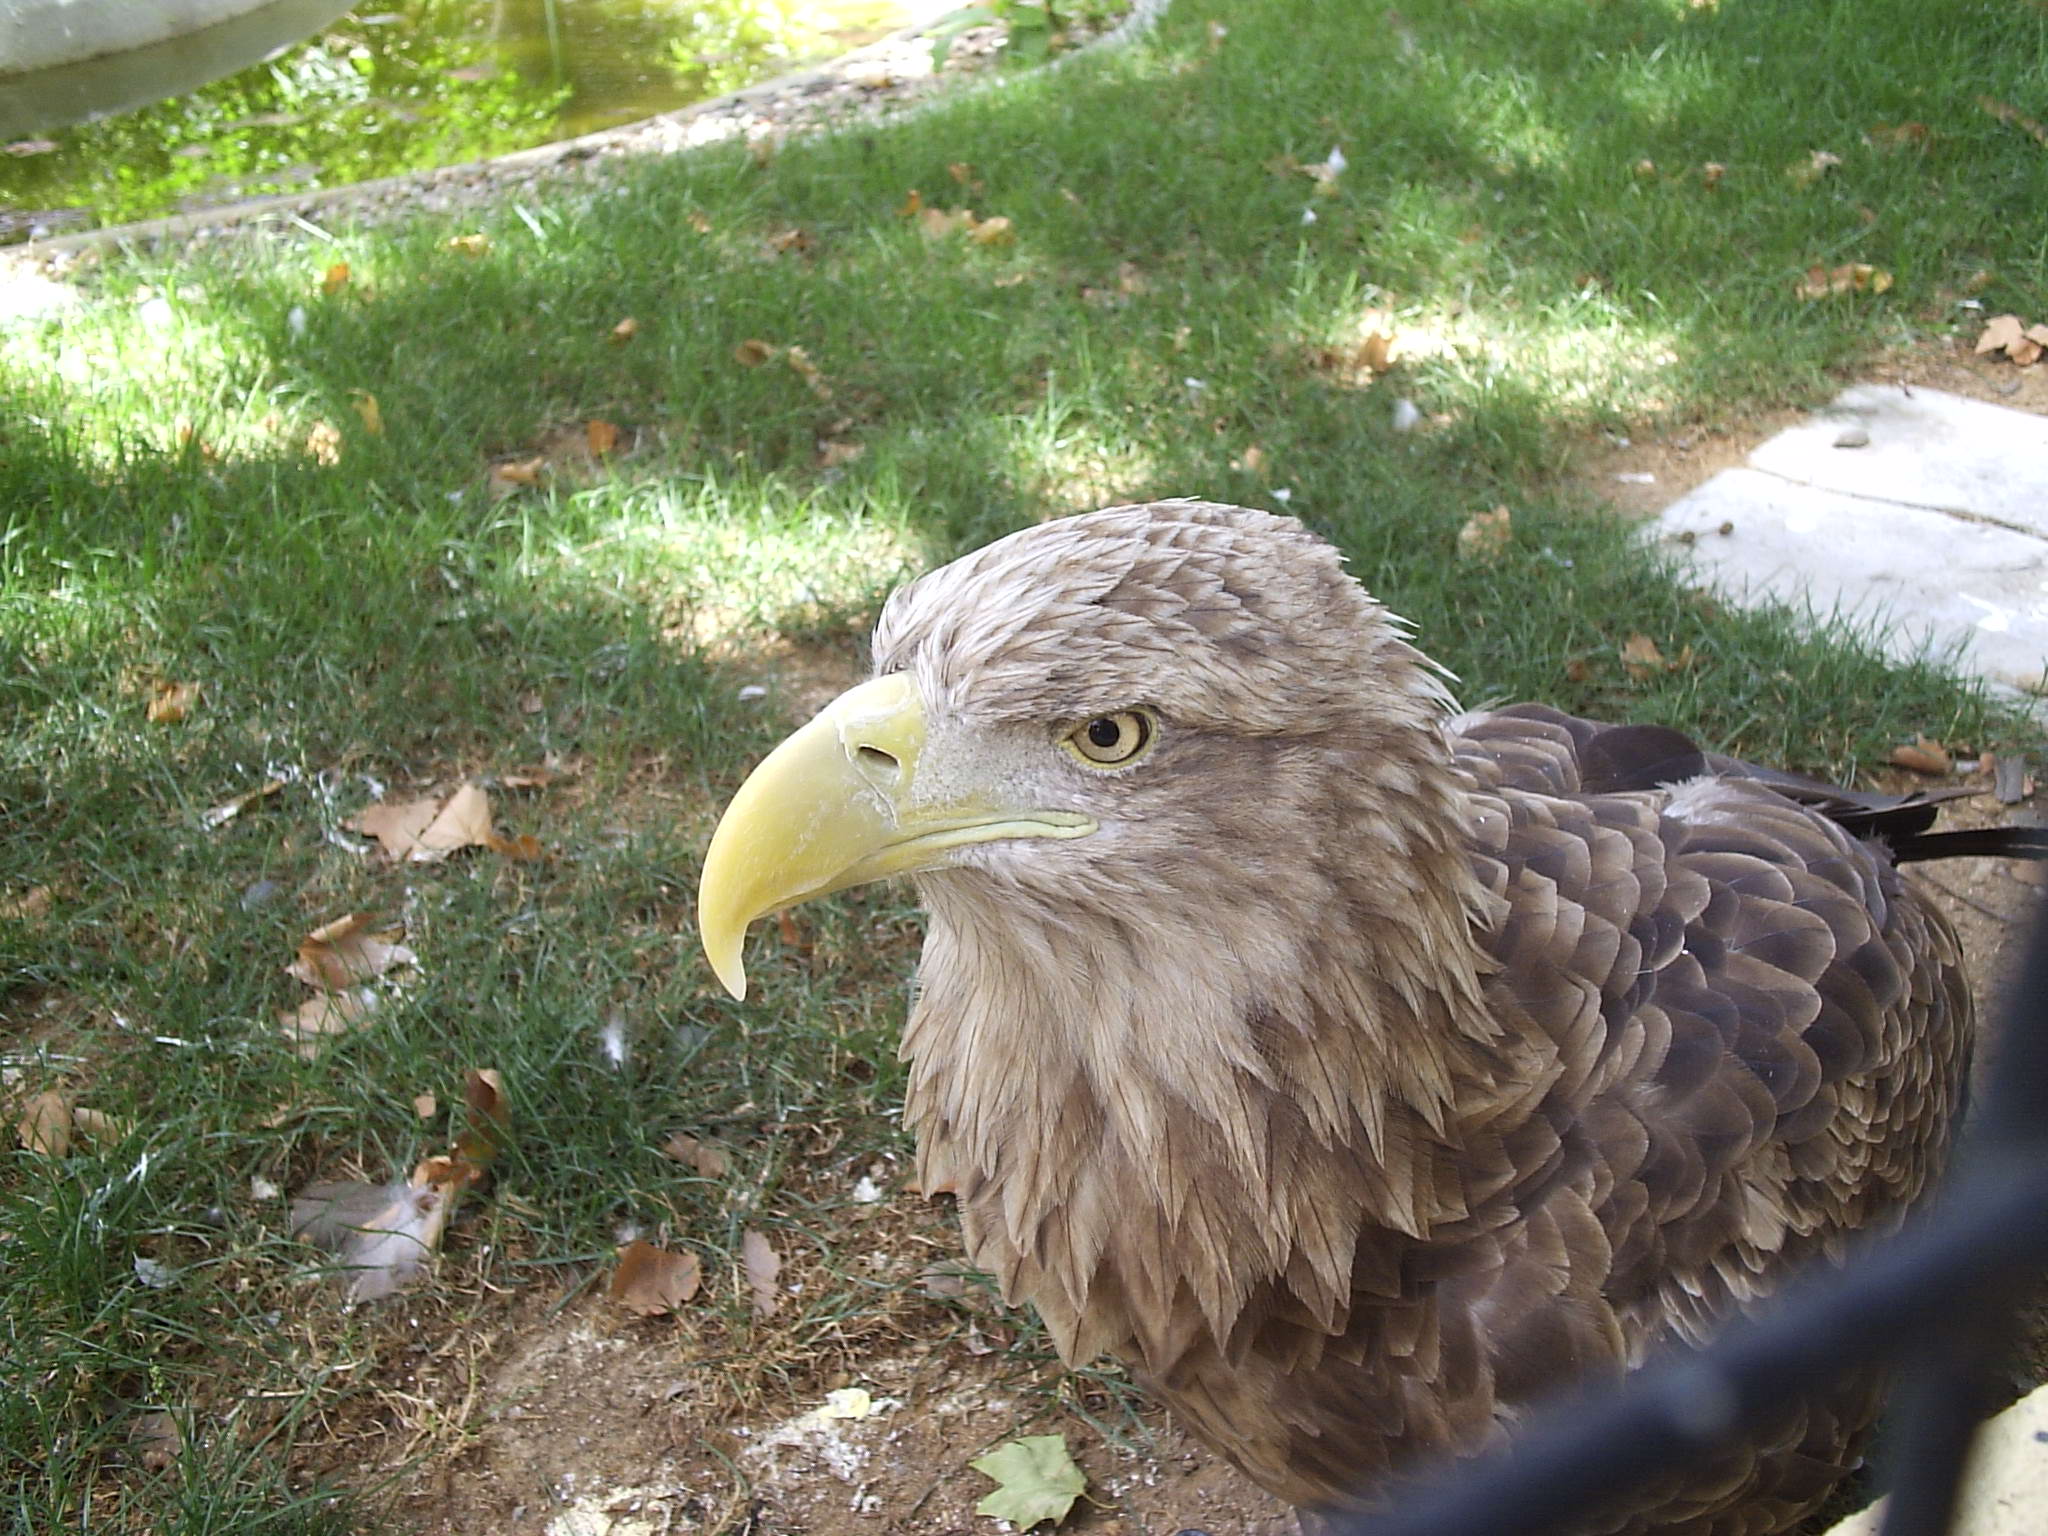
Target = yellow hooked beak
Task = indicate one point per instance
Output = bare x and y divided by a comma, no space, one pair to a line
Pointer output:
834,806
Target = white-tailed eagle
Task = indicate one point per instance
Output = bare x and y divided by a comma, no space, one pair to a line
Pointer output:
1357,1071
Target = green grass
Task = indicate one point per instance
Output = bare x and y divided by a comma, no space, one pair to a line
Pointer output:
383,619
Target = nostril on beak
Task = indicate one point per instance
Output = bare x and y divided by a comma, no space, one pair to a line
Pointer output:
877,764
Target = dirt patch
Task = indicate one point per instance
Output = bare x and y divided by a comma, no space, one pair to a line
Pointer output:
1642,473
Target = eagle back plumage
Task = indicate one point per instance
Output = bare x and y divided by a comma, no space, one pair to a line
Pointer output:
1394,1076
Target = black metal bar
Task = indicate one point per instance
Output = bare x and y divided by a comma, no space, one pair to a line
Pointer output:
1928,1444
1989,1229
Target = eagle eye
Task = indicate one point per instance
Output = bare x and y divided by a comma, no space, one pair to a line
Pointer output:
1111,741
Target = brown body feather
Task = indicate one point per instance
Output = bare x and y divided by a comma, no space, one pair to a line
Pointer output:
1375,1072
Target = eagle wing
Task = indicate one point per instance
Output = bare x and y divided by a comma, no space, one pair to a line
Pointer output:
1731,1037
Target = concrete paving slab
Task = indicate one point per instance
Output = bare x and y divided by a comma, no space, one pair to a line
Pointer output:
1932,532
2003,1491
1925,448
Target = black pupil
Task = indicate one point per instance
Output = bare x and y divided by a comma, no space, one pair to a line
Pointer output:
1104,733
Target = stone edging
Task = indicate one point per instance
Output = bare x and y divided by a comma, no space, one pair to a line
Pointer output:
858,87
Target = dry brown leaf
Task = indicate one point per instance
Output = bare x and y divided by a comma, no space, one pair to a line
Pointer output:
938,223
323,443
228,810
476,1148
171,702
835,451
524,848
425,1105
98,1126
1999,333
602,436
762,1264
513,475
396,824
483,1090
470,245
1712,173
1908,135
1640,657
1252,461
625,331
786,240
464,822
698,221
45,1123
2025,352
335,278
323,1015
1850,277
800,360
28,906
1579,669
2010,114
653,1281
367,408
961,172
1645,168
1486,535
1923,755
995,231
709,1161
345,953
911,206
754,352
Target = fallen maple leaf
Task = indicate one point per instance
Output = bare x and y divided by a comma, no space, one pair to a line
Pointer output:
753,352
171,702
625,331
345,953
602,436
762,1264
653,1281
1036,1479
2000,332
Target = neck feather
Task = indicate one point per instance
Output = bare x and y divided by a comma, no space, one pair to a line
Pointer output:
1147,1122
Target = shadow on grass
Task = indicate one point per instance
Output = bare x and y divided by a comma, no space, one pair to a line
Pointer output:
1157,314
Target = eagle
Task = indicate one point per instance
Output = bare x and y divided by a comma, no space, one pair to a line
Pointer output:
1358,1071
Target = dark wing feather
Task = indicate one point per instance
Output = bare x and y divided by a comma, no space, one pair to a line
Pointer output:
1741,1037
